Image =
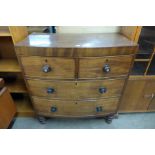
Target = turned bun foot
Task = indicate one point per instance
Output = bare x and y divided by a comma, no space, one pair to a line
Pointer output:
42,119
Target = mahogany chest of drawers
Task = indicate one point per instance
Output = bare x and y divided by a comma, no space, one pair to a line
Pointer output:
75,75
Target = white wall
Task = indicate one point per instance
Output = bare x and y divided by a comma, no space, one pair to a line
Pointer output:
88,29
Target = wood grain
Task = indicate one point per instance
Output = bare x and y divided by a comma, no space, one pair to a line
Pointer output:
138,32
76,89
129,31
93,67
90,40
7,108
17,86
4,33
74,108
18,33
63,89
6,48
137,95
9,65
75,45
24,107
152,105
90,89
77,61
61,68
75,52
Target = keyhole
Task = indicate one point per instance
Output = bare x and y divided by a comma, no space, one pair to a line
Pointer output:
45,60
107,60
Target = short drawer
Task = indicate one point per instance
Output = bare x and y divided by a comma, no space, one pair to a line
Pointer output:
91,89
104,67
48,67
74,108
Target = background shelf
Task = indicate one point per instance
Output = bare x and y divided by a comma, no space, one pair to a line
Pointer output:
9,65
4,33
151,69
10,70
24,106
17,86
142,60
139,68
40,29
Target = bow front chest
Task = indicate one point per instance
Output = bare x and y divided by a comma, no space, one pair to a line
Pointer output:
75,75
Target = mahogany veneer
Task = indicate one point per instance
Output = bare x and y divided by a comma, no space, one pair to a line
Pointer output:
76,75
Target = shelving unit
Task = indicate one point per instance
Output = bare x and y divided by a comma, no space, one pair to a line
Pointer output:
23,104
4,31
9,65
17,87
142,60
143,64
24,108
10,69
139,68
139,94
40,29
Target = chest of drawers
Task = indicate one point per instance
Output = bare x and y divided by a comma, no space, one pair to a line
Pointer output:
75,75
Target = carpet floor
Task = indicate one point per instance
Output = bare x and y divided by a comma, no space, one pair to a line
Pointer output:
125,121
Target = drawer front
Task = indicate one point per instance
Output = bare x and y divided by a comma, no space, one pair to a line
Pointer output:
74,108
52,89
48,67
100,88
76,90
104,67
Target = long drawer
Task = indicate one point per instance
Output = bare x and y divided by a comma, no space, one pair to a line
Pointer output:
75,108
104,67
48,67
85,89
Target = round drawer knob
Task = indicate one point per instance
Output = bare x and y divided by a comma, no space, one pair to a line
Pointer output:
50,90
106,68
53,109
46,68
102,90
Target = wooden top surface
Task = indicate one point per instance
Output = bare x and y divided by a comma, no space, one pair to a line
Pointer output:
76,40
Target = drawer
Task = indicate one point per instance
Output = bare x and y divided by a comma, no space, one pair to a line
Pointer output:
76,89
48,67
100,88
74,108
52,89
104,67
